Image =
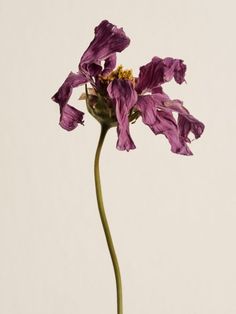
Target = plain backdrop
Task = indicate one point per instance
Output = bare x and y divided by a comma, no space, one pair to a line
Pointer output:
173,218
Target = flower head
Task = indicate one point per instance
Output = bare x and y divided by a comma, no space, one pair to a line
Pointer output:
118,98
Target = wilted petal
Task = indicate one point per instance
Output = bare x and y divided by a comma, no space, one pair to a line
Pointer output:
158,90
147,106
109,65
162,122
108,40
94,69
186,122
125,141
174,68
159,71
166,124
64,92
150,76
124,97
70,117
178,145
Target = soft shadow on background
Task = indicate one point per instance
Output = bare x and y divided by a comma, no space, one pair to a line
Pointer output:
172,217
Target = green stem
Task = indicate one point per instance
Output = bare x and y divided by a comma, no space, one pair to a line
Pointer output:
105,225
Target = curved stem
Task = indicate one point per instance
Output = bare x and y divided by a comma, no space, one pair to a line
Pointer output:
105,225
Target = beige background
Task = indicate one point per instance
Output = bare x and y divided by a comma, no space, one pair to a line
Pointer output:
173,218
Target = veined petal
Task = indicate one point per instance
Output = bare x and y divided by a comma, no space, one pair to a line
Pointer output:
147,106
150,76
108,40
174,68
162,122
186,122
159,71
124,98
64,92
70,117
166,124
109,65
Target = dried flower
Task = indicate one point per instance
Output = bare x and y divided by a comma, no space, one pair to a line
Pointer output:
118,98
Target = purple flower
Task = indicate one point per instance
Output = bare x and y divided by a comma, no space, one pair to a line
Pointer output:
107,41
118,98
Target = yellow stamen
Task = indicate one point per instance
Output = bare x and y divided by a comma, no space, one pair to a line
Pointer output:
119,73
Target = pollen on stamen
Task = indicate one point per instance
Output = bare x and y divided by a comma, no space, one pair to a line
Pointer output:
119,73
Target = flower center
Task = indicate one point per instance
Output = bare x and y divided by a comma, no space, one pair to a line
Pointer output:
119,73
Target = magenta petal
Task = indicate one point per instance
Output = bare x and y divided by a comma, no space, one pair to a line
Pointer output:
186,122
159,71
108,40
70,117
166,124
125,141
174,68
150,76
64,92
162,122
147,106
109,65
124,98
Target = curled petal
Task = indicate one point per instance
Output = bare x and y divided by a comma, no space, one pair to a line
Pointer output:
108,40
186,122
64,92
162,122
124,97
166,124
94,69
150,76
159,71
109,65
70,117
125,141
147,106
174,68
